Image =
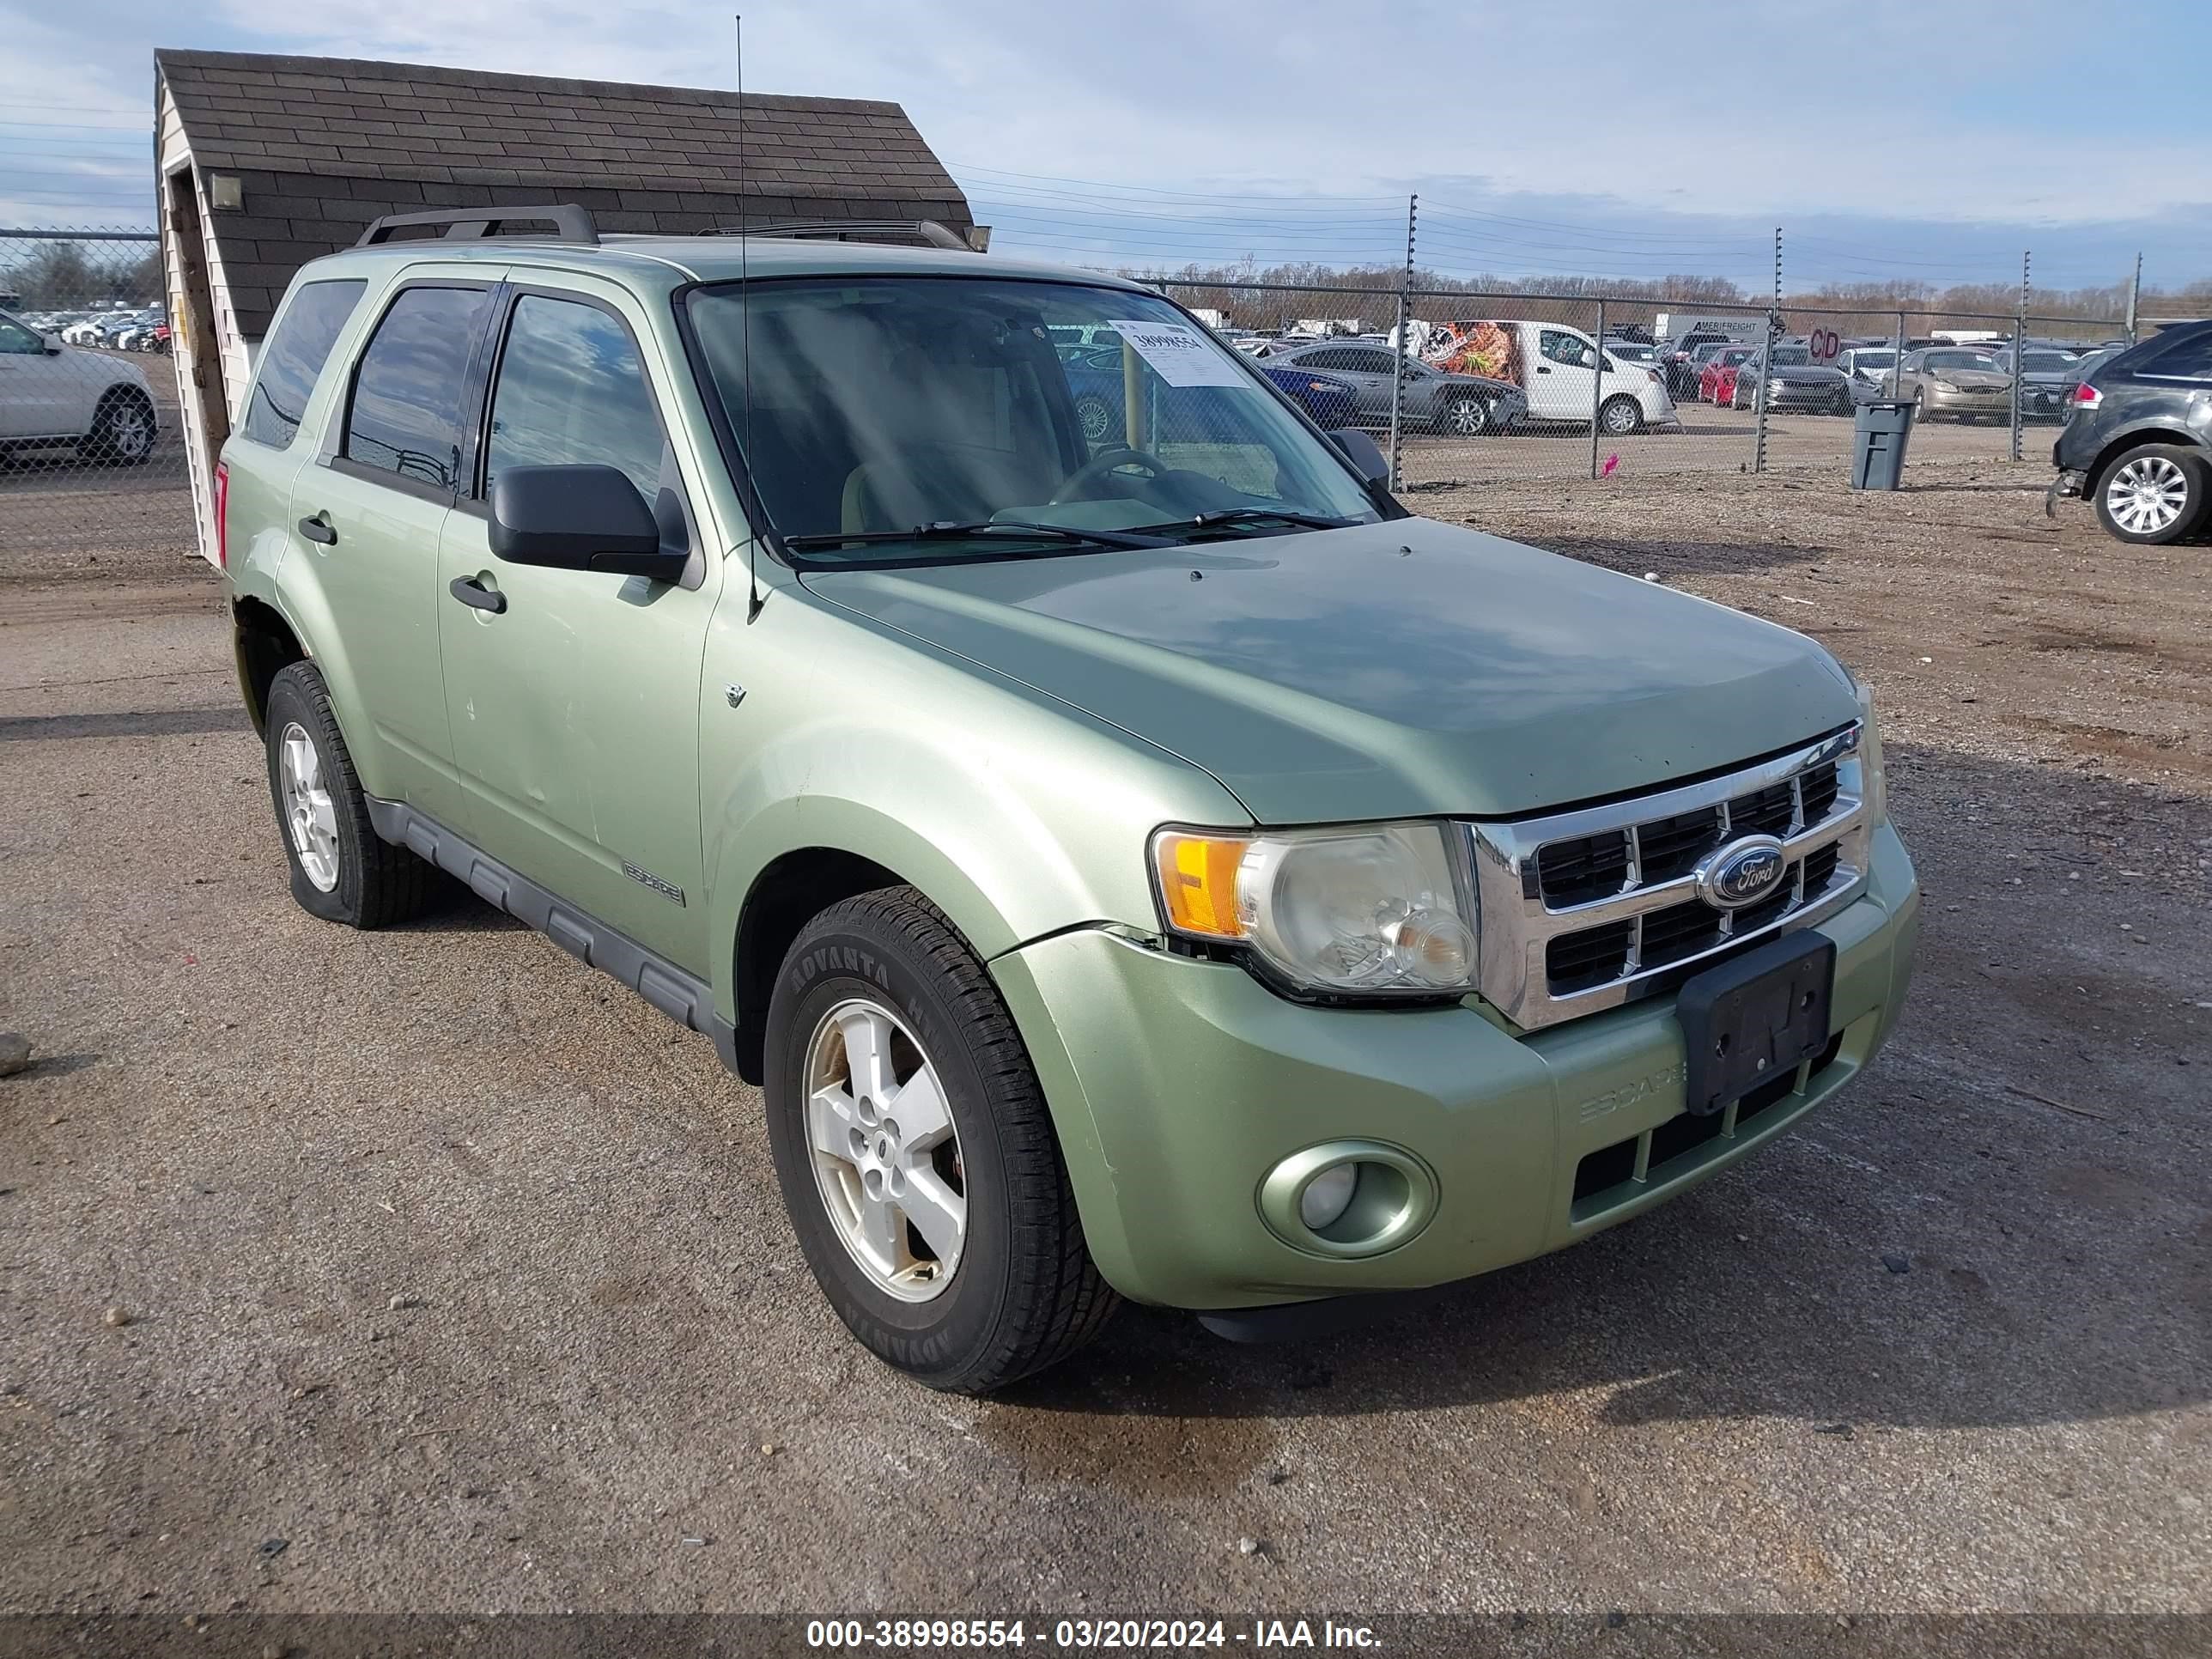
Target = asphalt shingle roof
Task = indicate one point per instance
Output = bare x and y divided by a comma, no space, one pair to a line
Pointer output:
324,145
348,117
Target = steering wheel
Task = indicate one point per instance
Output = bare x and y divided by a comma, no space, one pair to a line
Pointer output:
1106,461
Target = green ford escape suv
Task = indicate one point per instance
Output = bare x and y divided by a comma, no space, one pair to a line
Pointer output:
1151,865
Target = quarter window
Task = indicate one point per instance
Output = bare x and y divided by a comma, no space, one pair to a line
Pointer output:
294,359
572,392
406,414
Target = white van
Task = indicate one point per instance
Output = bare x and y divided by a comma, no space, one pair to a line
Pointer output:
1563,372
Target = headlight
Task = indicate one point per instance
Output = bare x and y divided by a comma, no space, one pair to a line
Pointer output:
1380,909
1877,785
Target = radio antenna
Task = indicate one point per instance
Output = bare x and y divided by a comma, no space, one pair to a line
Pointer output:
746,346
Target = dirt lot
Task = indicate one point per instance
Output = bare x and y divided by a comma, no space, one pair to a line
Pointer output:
1949,1347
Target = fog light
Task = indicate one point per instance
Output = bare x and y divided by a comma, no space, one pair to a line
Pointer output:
1328,1195
1347,1199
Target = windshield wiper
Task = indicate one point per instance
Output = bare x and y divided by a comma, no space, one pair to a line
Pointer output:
951,530
1233,515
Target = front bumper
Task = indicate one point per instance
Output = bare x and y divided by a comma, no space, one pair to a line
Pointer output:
1176,1085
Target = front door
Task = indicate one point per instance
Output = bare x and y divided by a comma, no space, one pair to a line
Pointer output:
370,514
33,403
1563,379
575,705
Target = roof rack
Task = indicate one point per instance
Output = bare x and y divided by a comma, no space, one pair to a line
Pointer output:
570,223
928,233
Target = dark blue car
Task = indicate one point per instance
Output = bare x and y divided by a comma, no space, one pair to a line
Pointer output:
1094,379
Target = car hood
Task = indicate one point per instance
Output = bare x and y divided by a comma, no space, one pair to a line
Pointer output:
1981,380
1801,374
1403,668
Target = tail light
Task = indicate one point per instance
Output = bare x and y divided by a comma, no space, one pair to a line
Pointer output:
2087,396
222,515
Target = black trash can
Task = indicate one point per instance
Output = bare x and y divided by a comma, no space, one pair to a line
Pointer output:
1878,435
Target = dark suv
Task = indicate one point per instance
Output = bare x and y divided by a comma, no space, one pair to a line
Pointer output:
2138,438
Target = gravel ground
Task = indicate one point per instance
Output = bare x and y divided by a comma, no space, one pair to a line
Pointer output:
449,1276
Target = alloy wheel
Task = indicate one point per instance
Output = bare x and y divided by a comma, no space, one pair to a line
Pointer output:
886,1156
1467,416
2146,495
310,816
129,431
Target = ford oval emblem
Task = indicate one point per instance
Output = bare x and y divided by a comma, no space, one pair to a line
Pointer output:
1742,872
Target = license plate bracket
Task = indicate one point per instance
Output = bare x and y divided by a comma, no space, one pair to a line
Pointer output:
1754,1018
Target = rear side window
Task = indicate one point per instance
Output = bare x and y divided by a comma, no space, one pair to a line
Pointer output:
572,390
2191,357
406,414
293,361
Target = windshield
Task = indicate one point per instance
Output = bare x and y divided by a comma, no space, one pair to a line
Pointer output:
882,405
1963,359
1792,357
2046,362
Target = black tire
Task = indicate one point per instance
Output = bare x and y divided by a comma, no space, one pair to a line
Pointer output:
1025,1293
1464,418
2191,472
1621,417
123,428
377,884
1921,413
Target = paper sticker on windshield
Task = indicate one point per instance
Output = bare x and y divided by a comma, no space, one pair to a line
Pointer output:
1179,354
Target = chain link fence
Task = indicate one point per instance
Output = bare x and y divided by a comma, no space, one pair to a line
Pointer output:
90,448
1464,387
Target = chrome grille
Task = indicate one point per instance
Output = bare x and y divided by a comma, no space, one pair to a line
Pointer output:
1587,910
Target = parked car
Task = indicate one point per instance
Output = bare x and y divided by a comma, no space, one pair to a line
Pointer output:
57,397
2047,379
1684,358
1094,377
2138,438
1561,370
1640,353
1716,377
1194,879
1956,383
1872,368
1793,380
1464,405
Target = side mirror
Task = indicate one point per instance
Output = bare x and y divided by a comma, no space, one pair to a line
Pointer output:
53,343
1365,455
579,518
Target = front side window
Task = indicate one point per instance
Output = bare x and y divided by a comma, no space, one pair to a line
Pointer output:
16,341
876,406
292,360
406,413
572,390
1563,348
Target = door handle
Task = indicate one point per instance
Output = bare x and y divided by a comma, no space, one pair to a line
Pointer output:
319,529
1543,368
471,592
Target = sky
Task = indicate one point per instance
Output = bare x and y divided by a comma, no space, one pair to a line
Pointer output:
1930,139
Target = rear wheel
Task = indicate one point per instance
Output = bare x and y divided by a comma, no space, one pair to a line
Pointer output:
1621,417
123,429
2155,495
340,871
915,1153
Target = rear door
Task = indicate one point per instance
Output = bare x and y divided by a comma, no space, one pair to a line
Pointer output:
575,705
369,514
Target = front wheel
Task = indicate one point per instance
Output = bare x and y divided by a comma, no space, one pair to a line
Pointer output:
1621,417
915,1153
1467,417
2155,495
